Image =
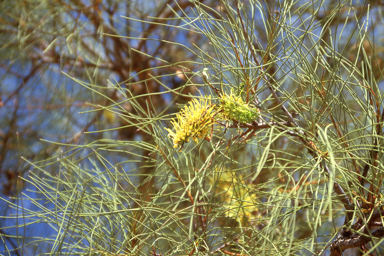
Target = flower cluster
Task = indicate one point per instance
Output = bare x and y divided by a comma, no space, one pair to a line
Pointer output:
239,201
234,108
194,121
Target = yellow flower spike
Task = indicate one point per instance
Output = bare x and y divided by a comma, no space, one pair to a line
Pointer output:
194,121
234,108
239,200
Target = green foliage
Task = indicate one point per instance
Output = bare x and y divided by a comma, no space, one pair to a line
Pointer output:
296,182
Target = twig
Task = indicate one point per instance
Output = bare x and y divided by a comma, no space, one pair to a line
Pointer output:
338,246
23,83
177,176
257,126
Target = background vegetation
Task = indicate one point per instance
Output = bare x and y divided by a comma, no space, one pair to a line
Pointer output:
191,127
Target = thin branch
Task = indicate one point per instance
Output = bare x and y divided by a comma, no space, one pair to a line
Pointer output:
34,69
341,245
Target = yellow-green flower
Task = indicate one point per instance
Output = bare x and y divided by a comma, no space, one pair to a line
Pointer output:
238,198
234,108
194,121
